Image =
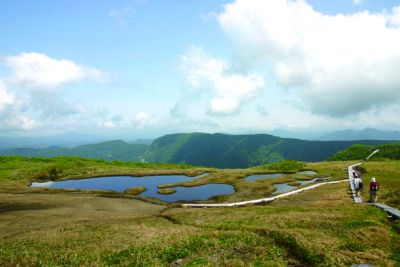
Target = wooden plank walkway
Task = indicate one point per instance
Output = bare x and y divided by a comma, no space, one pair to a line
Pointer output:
259,201
350,171
392,211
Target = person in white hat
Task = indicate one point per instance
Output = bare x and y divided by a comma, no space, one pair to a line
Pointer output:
373,190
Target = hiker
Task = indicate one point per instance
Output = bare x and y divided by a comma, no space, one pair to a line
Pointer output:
358,185
373,190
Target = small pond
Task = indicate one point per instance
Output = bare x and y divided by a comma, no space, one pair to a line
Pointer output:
263,176
121,183
284,188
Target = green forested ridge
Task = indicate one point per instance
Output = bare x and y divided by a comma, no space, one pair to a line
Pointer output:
111,150
360,151
241,151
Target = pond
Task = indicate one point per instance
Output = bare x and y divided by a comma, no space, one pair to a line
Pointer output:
284,188
121,183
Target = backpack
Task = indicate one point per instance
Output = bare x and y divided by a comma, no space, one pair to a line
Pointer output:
360,185
375,186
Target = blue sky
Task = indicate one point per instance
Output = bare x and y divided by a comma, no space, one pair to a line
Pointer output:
144,68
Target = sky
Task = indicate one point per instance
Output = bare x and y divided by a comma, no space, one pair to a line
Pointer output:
145,68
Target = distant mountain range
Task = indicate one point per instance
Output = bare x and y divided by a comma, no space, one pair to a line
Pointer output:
110,150
62,140
214,150
365,134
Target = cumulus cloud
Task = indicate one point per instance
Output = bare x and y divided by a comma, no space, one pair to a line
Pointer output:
6,98
112,122
339,64
28,99
11,111
143,119
38,71
230,90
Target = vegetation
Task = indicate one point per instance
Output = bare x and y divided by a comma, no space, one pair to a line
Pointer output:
284,166
359,152
135,190
320,227
166,191
387,174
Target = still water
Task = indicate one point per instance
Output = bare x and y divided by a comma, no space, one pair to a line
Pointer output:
121,183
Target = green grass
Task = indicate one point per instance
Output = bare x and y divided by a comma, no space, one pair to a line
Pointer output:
320,227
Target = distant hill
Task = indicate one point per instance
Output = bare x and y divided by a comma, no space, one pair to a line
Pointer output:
241,151
202,149
62,140
358,152
110,150
365,134
142,141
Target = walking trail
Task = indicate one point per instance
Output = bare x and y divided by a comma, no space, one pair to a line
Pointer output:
259,201
395,213
392,211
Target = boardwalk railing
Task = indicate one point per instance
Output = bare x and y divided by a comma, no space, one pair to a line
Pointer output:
261,200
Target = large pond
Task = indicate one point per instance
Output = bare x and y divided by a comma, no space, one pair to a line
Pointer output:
121,183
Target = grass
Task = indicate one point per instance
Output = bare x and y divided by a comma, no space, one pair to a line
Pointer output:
135,190
166,191
320,227
387,174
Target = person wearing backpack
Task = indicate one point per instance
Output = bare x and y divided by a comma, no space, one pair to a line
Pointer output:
373,190
358,185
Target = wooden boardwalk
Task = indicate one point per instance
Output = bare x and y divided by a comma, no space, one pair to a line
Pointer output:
395,213
350,171
392,211
259,201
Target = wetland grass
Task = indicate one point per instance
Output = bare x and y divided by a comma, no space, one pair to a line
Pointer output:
320,227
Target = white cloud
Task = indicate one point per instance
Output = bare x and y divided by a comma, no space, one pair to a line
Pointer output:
112,122
394,17
39,71
358,2
6,98
229,90
143,119
340,65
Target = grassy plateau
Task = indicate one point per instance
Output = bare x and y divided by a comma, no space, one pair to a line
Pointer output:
320,227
